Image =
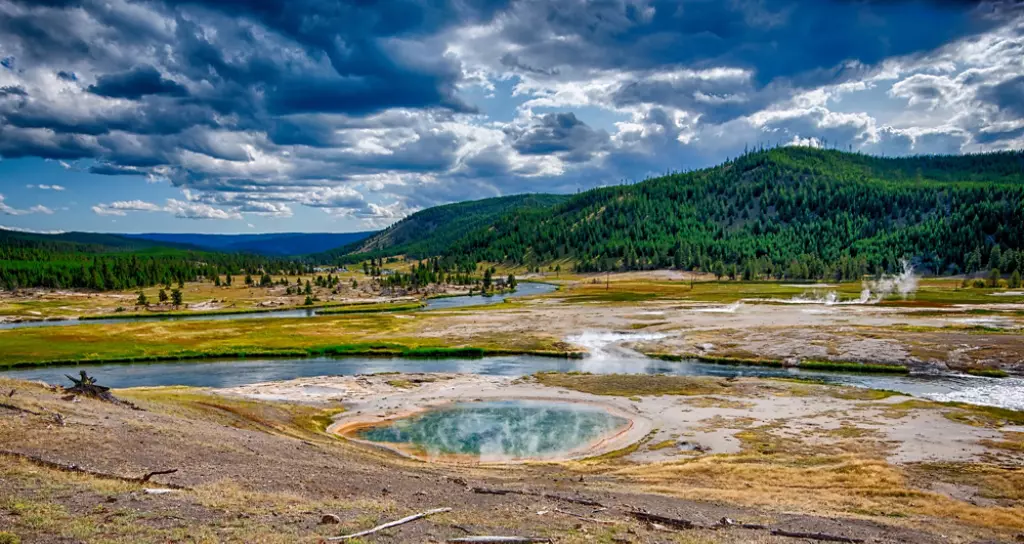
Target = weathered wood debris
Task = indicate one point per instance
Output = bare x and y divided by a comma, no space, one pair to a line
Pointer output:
86,386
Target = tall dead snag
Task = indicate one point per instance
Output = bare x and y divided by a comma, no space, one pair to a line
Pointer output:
86,386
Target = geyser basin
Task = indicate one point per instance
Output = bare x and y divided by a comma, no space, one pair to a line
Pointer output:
498,431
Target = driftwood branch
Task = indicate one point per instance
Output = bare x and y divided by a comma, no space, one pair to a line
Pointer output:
391,524
585,518
87,387
676,523
80,470
149,475
817,536
501,540
550,496
19,409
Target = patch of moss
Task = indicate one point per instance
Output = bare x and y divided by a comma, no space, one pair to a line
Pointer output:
664,444
631,385
987,372
848,366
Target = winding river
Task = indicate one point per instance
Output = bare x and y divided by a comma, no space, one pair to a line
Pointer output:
1004,392
443,303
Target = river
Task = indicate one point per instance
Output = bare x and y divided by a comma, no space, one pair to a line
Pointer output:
443,303
1003,392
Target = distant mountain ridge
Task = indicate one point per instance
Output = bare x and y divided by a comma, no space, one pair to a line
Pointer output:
433,230
275,244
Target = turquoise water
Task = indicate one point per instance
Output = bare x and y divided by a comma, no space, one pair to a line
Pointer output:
499,430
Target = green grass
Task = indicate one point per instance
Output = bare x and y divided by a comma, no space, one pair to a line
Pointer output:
189,313
343,350
370,308
987,372
848,366
831,366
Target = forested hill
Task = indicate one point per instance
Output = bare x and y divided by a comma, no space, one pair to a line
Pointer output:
106,261
432,231
784,212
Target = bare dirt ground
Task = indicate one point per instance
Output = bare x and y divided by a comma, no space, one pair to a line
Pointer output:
256,470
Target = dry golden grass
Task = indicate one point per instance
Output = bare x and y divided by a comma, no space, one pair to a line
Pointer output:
820,485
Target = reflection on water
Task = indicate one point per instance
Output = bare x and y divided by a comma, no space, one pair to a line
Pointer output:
500,430
1005,392
524,289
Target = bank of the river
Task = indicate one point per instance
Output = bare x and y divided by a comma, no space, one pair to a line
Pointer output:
342,350
834,366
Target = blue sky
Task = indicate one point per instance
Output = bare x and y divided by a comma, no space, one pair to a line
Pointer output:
322,115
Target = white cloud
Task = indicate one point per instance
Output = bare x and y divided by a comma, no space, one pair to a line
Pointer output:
7,209
46,187
181,209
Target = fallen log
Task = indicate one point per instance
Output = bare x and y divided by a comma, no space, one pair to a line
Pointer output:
817,536
551,496
726,522
676,523
501,540
390,524
585,518
80,470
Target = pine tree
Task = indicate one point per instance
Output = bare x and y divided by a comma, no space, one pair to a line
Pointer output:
142,300
993,277
1015,280
162,296
176,297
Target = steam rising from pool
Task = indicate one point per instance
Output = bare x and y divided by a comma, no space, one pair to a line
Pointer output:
606,345
499,431
872,292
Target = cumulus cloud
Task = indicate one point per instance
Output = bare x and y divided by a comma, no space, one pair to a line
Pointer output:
370,110
7,209
178,208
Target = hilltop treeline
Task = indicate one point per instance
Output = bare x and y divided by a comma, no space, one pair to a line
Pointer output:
105,262
785,212
430,232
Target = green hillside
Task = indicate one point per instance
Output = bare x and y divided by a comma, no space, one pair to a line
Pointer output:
432,231
785,212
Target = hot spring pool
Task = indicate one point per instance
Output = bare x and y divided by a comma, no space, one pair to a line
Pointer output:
497,431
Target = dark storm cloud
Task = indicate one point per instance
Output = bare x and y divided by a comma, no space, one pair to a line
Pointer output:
559,133
773,38
1008,96
136,83
987,137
